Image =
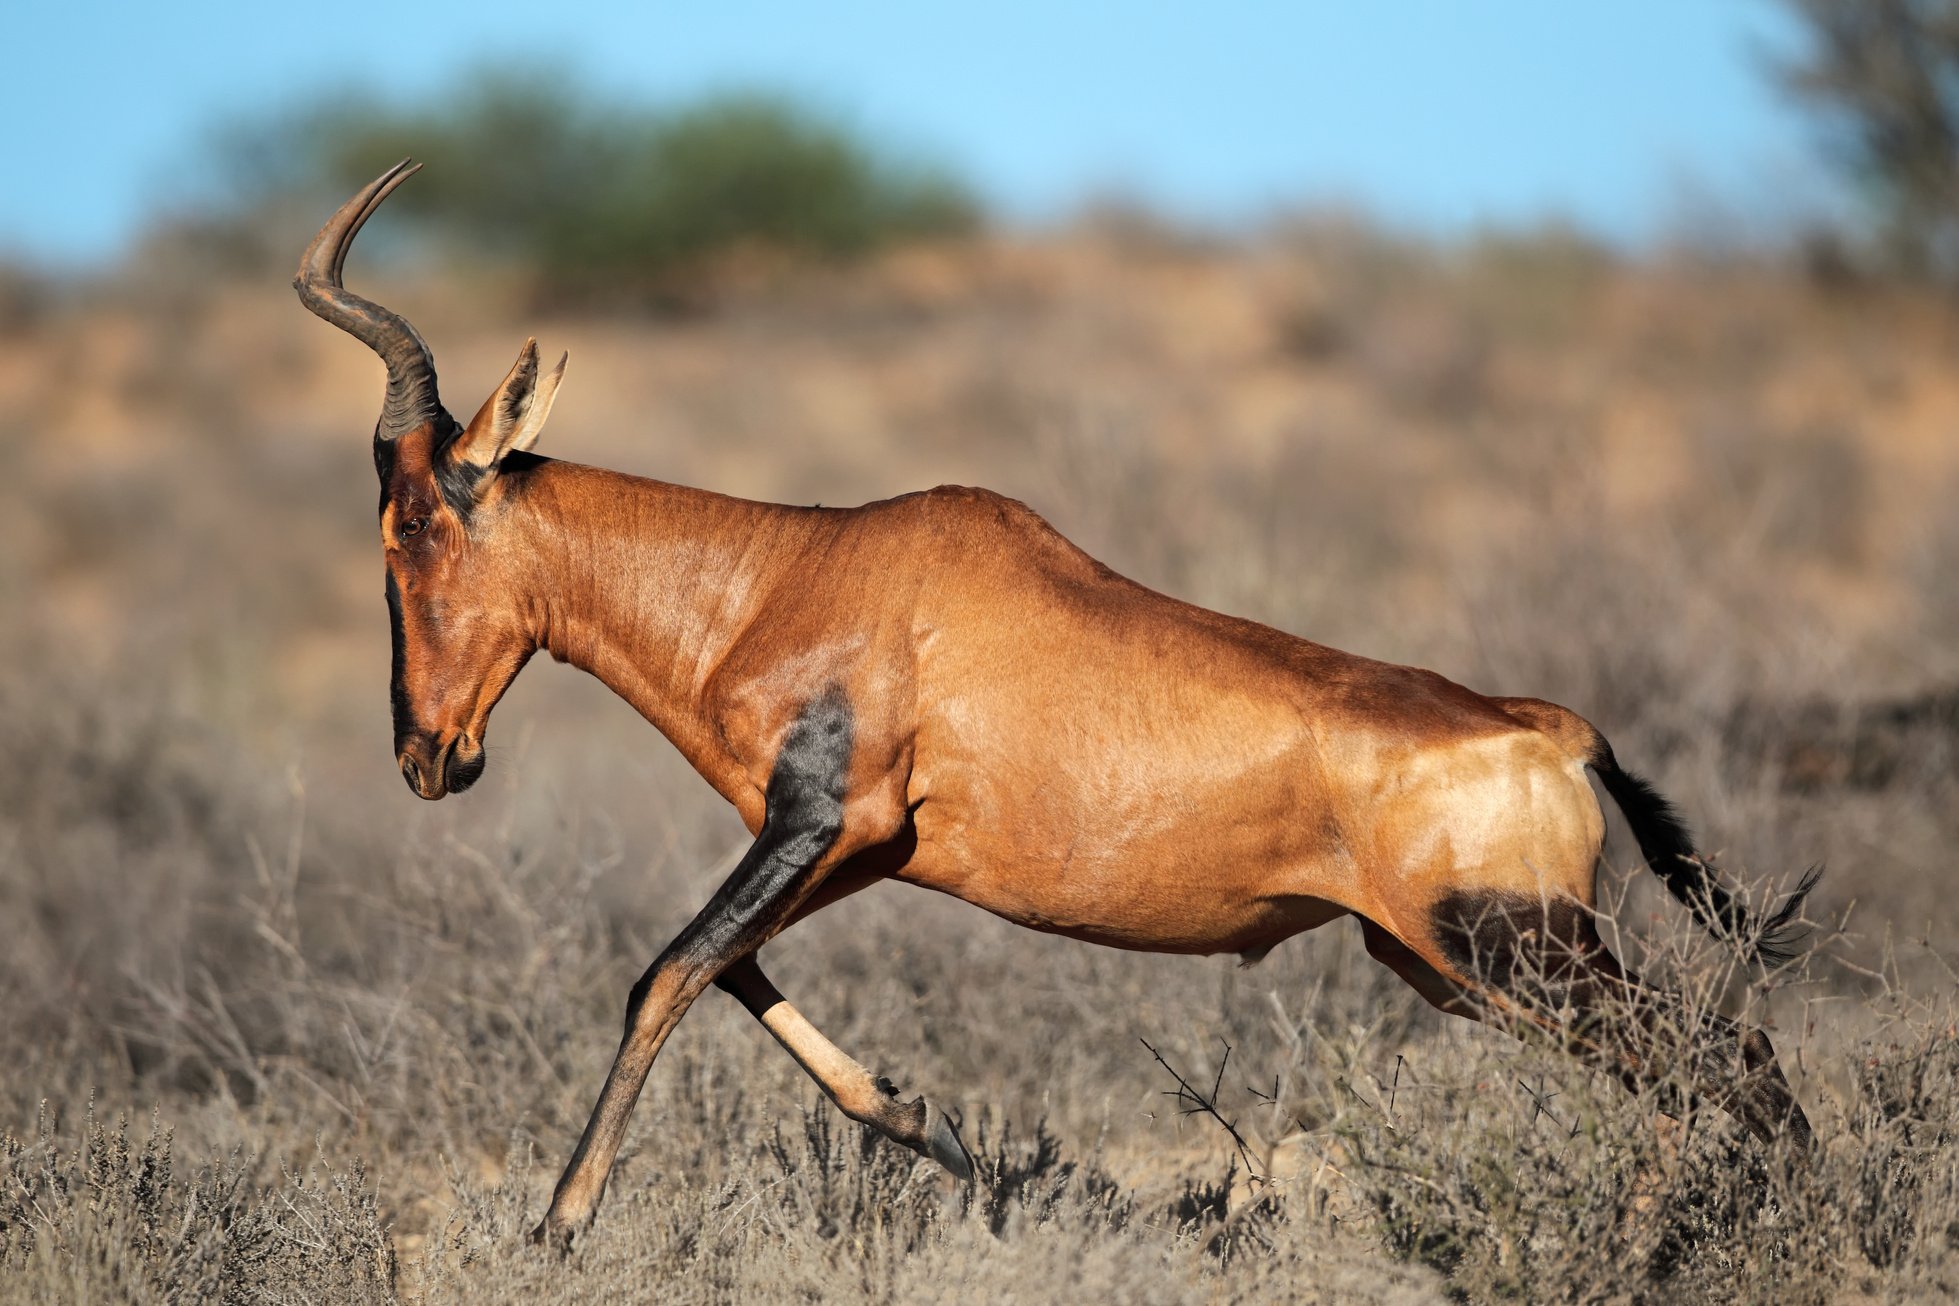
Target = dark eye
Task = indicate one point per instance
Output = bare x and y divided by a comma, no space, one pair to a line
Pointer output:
414,526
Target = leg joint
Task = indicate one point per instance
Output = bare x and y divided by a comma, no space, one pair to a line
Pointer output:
665,982
1757,1052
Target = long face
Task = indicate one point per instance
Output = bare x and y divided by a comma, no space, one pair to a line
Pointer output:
458,629
455,585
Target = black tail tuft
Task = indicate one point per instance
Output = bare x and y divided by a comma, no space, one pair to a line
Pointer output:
1780,939
1668,847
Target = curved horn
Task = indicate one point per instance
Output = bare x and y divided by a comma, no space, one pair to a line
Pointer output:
412,399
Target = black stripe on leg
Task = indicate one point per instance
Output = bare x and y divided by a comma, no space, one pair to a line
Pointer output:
805,798
812,773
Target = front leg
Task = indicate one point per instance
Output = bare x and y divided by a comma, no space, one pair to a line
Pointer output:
800,839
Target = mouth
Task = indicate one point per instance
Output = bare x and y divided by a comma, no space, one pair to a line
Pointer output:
465,767
455,768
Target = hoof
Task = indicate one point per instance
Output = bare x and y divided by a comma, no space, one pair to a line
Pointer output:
942,1144
554,1238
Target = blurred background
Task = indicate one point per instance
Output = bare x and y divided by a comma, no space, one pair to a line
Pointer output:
1602,353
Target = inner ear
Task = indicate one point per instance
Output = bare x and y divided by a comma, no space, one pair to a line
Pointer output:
512,417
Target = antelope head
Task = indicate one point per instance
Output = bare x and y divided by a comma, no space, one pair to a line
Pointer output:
456,598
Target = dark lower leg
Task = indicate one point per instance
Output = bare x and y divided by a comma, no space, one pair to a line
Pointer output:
656,1006
1638,1030
1765,1102
1550,969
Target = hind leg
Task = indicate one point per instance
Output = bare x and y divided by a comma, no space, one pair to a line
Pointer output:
1612,1017
1502,957
1441,992
1730,1064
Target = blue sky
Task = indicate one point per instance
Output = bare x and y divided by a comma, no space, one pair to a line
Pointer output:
1442,115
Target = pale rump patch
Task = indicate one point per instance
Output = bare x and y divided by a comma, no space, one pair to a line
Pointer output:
1508,812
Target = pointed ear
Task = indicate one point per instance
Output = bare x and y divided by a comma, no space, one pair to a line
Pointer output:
511,418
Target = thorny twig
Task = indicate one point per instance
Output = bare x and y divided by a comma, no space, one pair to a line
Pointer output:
1194,1101
1541,1106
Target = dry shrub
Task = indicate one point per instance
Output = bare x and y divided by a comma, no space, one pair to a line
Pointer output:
94,1217
1701,510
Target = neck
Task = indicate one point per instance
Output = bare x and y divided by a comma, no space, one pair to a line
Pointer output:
647,586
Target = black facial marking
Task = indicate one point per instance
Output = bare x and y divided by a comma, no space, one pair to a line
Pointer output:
404,720
1504,939
458,482
518,462
384,467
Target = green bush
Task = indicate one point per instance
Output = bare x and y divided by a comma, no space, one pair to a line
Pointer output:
1879,76
607,201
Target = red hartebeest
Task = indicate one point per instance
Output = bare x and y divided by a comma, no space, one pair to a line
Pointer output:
940,689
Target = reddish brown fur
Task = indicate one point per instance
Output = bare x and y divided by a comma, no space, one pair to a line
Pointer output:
1030,732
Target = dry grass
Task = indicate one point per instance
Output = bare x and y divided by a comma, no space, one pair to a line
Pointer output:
338,1043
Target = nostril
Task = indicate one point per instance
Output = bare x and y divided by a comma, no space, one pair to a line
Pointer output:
412,774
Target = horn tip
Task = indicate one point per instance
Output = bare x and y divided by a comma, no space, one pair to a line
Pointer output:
394,176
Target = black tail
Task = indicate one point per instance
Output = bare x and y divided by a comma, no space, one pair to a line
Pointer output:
1668,847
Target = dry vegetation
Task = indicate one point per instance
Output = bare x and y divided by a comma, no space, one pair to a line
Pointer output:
270,1029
